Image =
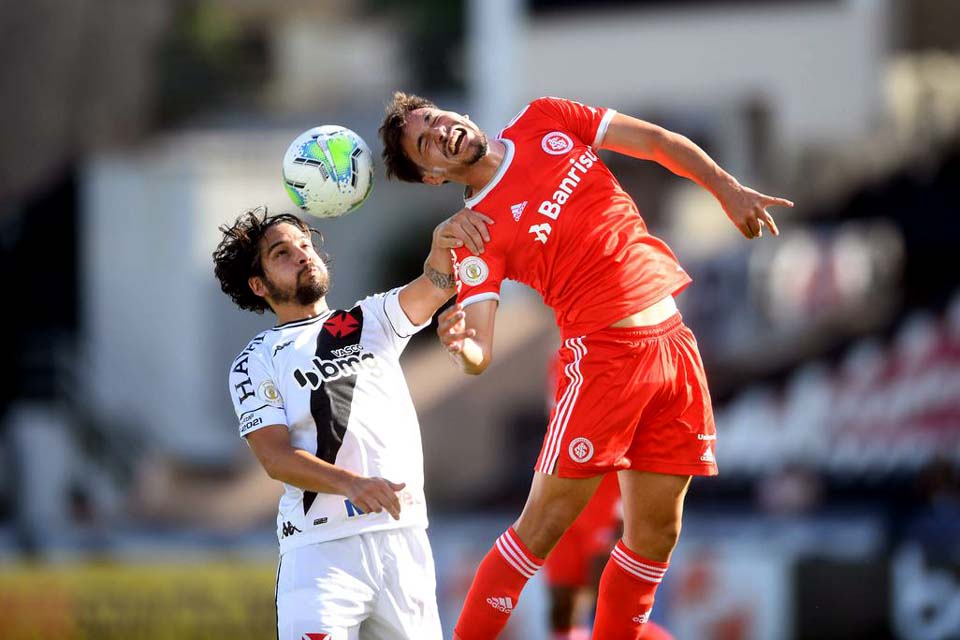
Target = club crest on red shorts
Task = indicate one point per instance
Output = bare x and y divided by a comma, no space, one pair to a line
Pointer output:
580,450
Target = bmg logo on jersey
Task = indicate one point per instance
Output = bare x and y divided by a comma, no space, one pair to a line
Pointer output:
329,370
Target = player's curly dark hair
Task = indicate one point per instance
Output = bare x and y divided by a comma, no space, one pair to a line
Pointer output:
237,257
398,163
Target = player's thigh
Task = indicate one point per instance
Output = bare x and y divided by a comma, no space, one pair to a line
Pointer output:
652,505
552,506
324,588
406,608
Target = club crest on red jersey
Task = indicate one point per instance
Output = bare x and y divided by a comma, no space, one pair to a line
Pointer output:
556,143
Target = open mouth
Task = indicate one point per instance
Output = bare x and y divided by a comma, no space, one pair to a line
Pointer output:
457,136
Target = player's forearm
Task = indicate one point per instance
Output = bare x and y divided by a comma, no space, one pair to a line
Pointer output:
421,298
471,358
640,139
680,155
306,471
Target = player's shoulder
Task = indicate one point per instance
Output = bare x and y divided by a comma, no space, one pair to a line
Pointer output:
255,345
374,302
541,107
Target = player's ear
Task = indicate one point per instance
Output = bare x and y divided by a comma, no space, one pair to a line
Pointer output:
257,285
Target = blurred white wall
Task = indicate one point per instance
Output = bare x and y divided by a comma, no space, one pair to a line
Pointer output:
817,66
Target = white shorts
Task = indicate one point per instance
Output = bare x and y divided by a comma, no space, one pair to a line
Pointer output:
371,586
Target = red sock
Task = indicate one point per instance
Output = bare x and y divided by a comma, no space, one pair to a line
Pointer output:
496,588
625,600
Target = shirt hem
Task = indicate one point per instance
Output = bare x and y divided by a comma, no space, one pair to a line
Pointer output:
576,330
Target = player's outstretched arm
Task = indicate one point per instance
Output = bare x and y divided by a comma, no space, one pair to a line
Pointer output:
302,469
421,298
467,334
746,208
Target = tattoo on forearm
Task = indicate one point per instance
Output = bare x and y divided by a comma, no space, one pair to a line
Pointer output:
439,280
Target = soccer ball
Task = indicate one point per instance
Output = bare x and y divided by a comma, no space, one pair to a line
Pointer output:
328,171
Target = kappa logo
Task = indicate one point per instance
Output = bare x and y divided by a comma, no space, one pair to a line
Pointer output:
280,347
341,324
289,529
542,231
517,210
556,143
581,449
503,605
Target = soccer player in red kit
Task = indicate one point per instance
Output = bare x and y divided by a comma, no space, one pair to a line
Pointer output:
634,396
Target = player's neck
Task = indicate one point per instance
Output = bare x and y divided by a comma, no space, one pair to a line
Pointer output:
480,174
292,312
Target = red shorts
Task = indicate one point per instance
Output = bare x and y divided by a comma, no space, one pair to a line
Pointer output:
592,534
631,398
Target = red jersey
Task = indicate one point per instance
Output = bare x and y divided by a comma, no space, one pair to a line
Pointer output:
564,225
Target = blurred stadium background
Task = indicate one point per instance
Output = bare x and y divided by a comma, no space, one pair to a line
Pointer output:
129,507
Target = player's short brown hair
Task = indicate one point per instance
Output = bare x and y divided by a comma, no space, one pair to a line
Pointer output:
237,257
397,162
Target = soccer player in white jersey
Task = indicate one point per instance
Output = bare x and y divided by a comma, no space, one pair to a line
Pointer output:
323,404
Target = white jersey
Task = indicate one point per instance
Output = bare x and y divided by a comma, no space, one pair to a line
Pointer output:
335,382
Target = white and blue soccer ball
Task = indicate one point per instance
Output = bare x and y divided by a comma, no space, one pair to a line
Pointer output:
328,171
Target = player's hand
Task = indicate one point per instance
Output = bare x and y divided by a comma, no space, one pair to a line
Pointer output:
452,329
373,495
747,209
465,227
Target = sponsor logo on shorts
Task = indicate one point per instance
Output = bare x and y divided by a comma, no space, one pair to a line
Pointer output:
503,605
316,636
581,450
556,143
708,456
473,270
643,617
703,436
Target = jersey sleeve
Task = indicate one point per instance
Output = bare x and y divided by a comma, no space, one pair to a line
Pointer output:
396,325
256,396
589,124
478,277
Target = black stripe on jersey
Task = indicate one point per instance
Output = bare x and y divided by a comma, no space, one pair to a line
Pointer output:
330,403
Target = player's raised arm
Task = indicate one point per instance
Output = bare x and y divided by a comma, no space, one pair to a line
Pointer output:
467,333
746,208
421,298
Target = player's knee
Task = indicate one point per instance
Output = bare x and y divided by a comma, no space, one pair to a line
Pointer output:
542,528
653,537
